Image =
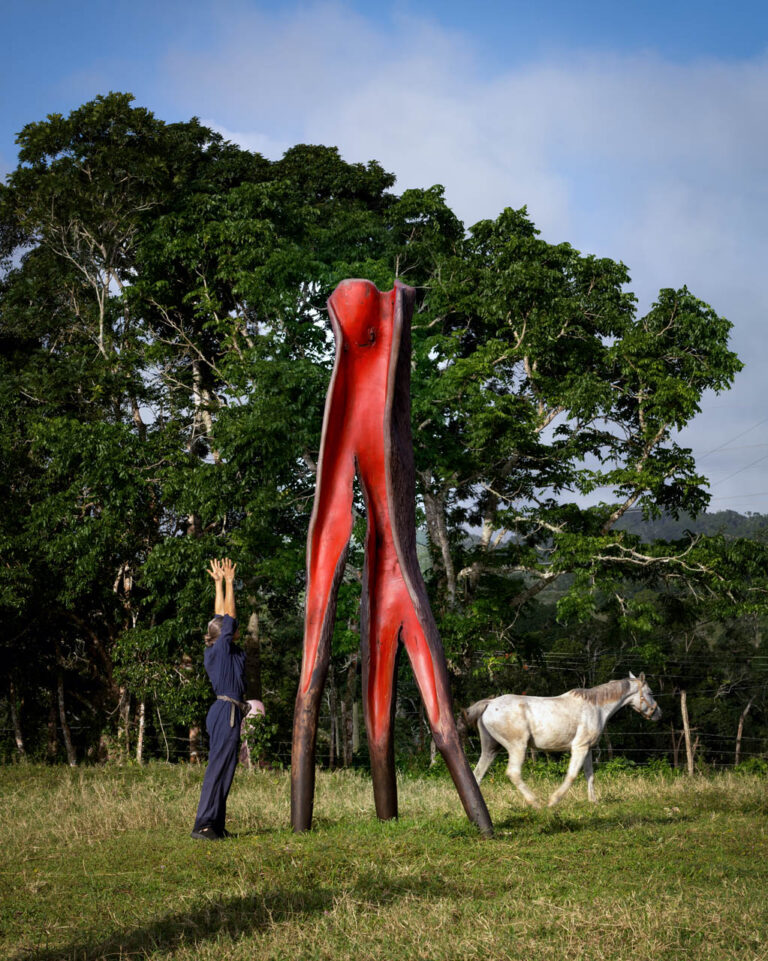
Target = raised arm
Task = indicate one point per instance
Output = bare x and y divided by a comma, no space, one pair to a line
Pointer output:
228,569
217,573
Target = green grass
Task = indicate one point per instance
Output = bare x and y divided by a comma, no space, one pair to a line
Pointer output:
98,863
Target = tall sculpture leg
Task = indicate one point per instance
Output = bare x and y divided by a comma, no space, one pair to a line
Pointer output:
432,679
367,427
389,616
447,742
304,741
379,667
326,558
379,644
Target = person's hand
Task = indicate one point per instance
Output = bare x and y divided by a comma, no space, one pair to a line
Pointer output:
216,570
228,569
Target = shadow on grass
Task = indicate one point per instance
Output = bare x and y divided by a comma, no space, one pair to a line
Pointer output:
554,822
235,917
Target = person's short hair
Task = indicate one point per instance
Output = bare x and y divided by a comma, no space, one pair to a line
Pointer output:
213,631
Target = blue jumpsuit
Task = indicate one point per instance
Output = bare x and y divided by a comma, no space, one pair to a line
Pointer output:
225,666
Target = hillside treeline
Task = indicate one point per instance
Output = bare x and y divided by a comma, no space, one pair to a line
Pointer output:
729,524
165,354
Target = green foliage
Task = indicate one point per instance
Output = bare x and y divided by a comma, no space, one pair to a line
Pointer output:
163,370
618,766
259,734
549,768
660,766
752,767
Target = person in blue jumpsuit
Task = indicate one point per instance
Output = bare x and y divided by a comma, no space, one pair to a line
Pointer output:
225,666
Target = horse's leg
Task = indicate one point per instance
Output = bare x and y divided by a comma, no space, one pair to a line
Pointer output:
517,751
589,774
489,749
578,755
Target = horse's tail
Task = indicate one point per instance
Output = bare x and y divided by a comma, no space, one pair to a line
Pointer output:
474,712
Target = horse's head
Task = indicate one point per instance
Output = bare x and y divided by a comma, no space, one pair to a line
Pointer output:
642,699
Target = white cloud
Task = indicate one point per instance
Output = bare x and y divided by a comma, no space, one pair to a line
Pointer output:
255,142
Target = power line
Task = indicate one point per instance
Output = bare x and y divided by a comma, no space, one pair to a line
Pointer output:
728,450
732,439
741,471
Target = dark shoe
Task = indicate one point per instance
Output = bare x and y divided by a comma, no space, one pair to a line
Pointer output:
205,834
225,833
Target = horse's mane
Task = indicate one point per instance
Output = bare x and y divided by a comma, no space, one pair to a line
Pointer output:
603,693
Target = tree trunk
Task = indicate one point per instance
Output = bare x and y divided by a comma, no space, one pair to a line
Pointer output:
253,656
65,731
52,746
337,730
202,425
740,731
677,739
194,745
141,713
165,739
333,726
193,530
193,526
434,509
123,724
355,726
16,721
489,519
686,730
346,731
608,745
347,710
202,401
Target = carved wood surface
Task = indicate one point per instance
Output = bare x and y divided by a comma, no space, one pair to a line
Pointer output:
367,430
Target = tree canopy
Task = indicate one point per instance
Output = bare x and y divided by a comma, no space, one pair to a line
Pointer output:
165,356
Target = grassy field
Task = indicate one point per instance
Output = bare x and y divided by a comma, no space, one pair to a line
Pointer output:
98,863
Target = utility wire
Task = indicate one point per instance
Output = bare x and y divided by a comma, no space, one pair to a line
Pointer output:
741,471
728,442
728,450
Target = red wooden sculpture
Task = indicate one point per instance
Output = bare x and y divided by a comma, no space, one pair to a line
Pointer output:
367,430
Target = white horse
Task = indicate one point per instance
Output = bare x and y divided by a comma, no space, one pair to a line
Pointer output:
571,722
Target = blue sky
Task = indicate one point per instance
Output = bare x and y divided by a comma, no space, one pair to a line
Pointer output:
634,130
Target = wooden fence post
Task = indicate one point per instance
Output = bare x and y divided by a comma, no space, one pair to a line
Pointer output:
687,730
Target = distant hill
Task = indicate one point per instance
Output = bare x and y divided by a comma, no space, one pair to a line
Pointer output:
728,523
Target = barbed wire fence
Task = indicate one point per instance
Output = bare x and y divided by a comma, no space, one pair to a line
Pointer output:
666,686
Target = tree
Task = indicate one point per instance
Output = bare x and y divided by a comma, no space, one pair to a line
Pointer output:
82,468
537,384
164,366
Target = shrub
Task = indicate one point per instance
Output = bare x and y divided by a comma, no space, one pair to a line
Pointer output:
258,736
660,766
618,765
752,765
